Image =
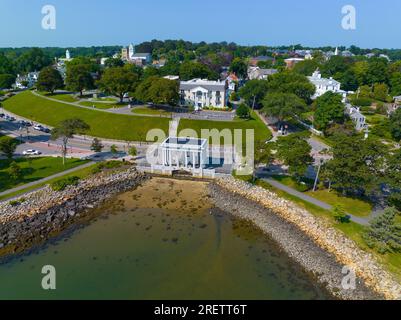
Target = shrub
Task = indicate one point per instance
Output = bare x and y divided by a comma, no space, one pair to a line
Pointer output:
243,111
62,184
362,101
234,96
340,215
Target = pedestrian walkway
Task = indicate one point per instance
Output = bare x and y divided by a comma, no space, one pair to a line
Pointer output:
38,182
318,203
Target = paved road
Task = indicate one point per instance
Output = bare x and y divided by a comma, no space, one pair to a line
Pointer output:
32,184
321,204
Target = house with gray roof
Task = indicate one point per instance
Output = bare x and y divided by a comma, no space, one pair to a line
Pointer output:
259,73
202,93
356,116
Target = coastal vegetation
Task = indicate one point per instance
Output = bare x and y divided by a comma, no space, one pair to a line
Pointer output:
33,169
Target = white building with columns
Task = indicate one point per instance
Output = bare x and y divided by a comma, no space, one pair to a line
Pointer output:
324,85
203,93
184,153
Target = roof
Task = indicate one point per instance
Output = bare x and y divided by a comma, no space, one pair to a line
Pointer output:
205,84
267,72
184,143
323,81
262,58
140,55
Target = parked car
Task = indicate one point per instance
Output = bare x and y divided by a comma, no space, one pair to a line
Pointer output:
24,123
41,128
9,118
31,152
2,115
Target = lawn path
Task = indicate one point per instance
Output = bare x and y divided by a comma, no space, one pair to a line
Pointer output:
34,183
321,204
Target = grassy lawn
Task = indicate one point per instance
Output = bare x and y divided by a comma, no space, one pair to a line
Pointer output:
353,206
33,170
391,261
62,97
103,125
151,111
262,133
81,173
99,105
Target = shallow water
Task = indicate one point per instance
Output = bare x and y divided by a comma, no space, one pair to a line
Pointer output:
161,241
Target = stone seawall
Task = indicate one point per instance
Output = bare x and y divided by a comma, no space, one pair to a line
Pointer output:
44,213
318,247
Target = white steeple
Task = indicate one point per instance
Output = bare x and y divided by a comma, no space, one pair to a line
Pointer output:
67,55
336,52
131,51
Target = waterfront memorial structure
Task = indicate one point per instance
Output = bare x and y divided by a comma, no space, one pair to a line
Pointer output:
184,153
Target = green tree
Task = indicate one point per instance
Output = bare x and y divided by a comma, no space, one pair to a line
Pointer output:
283,105
243,111
306,67
329,110
380,92
290,82
295,152
395,125
239,67
33,60
79,78
395,83
357,165
113,63
133,151
49,80
96,145
15,171
118,81
8,146
6,65
384,233
66,130
113,149
254,91
7,81
377,71
190,70
158,90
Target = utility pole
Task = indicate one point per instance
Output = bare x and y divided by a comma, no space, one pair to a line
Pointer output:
317,175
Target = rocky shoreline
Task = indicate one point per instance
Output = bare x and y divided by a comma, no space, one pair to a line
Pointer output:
45,213
317,247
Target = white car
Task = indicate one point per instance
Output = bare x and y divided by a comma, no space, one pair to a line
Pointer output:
31,152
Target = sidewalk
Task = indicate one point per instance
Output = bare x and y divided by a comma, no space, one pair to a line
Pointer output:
34,183
321,204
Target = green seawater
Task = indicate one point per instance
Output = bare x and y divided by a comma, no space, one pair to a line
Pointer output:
155,252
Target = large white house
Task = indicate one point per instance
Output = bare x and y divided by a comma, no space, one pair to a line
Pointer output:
324,85
203,93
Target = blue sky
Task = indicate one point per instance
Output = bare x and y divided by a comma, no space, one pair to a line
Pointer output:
265,22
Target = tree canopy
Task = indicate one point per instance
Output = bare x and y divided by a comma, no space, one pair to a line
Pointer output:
283,105
118,81
329,110
49,80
